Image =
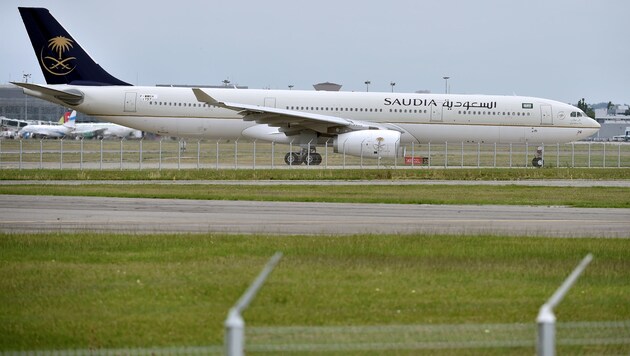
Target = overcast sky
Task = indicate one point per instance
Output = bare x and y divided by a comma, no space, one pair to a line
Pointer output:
556,49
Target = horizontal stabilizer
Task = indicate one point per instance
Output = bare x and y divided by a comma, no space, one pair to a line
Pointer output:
71,97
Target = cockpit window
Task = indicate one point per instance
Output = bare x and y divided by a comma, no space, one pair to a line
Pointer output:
573,114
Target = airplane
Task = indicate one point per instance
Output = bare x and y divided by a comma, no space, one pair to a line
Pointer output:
104,130
365,124
62,129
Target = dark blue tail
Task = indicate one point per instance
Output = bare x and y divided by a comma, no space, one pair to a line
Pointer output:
61,58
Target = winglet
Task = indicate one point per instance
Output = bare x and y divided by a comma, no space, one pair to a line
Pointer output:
203,97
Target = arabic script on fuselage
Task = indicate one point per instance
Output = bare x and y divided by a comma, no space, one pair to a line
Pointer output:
449,104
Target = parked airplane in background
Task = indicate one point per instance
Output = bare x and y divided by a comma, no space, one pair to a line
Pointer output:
62,129
104,130
360,124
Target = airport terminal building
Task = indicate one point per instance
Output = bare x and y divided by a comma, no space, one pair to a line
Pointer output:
14,104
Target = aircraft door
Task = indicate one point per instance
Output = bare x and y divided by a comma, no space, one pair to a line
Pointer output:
436,113
270,102
130,102
546,117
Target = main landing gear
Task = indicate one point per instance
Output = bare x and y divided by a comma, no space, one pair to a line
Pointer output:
309,158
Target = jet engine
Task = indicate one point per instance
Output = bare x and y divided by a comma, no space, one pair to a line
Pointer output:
368,143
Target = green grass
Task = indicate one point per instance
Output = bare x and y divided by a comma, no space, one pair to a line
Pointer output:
321,174
600,197
67,291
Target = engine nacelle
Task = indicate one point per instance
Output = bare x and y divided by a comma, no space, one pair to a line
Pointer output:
368,143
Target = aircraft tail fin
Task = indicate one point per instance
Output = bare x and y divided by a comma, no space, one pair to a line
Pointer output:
61,58
69,119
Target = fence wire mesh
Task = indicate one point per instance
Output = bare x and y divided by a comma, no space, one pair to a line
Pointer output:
592,337
173,154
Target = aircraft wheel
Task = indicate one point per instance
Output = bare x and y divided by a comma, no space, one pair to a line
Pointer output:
317,159
537,162
292,159
309,159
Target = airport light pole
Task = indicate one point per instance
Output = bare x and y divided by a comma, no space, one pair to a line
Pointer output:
290,86
226,82
26,76
446,84
367,85
392,84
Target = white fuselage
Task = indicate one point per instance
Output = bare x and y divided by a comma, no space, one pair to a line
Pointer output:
50,131
421,118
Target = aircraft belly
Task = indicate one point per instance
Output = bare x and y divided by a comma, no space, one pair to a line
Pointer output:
440,133
201,128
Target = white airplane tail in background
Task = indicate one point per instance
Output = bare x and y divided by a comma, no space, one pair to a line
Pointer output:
69,119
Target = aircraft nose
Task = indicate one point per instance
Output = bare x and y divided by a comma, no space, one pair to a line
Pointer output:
595,124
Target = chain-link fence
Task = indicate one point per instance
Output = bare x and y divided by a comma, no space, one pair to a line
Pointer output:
594,338
572,337
173,154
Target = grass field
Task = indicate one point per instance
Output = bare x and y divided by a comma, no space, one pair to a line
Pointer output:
320,174
80,291
93,291
599,197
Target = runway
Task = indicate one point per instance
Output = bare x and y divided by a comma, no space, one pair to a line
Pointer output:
59,213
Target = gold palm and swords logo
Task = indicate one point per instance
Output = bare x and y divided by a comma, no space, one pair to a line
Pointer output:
379,146
58,65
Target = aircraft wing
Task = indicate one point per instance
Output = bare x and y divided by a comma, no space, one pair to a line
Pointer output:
288,121
88,132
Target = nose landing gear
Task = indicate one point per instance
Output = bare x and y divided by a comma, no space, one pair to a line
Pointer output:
538,161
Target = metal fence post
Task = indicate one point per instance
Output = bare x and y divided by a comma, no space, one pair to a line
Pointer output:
589,155
100,165
61,153
618,156
121,154
198,152
344,154
446,154
557,155
160,155
140,155
510,154
429,154
234,324
308,153
41,154
254,154
478,154
572,154
273,151
179,154
494,164
236,154
604,163
526,154
462,153
291,154
362,153
546,320
217,167
326,155
81,155
20,164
